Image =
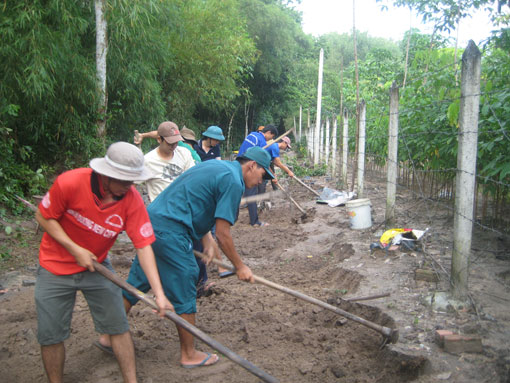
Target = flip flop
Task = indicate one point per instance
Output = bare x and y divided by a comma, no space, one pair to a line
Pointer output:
205,290
225,274
202,363
106,349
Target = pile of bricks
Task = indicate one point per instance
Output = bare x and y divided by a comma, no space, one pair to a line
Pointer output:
457,344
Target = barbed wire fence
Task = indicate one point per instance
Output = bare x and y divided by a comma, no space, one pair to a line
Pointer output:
473,201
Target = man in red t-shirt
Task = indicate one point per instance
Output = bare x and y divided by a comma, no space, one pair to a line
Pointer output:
82,214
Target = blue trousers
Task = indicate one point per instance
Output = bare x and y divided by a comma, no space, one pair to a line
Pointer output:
252,206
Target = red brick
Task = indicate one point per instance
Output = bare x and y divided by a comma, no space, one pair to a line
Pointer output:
440,334
457,344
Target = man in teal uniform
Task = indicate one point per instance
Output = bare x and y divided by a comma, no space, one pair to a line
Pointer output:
205,195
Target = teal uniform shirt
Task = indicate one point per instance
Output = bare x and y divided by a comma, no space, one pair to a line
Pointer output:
194,154
200,195
186,210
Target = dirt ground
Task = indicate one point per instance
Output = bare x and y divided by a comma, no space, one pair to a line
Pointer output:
290,339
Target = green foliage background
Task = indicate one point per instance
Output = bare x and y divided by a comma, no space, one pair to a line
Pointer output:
222,62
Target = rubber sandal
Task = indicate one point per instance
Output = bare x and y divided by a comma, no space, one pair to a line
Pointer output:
106,349
261,224
205,290
202,363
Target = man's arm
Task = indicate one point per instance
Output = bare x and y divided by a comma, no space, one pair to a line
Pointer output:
137,139
227,246
148,263
279,163
83,256
210,247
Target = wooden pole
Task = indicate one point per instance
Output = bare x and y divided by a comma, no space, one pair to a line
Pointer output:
466,165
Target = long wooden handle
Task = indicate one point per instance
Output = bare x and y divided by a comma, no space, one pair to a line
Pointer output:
306,186
271,142
388,333
290,197
186,325
259,197
137,136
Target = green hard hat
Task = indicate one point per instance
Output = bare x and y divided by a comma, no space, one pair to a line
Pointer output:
214,132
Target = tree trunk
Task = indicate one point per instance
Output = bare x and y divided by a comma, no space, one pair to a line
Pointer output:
407,51
101,52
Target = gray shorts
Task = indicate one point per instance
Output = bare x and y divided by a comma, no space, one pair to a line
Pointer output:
55,297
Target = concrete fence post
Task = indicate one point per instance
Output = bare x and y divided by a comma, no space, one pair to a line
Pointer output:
466,169
361,148
316,148
345,149
391,182
300,122
327,142
334,147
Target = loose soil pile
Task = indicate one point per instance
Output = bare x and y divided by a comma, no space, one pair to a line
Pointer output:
288,338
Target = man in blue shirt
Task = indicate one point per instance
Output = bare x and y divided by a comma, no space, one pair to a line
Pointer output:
274,152
207,194
256,139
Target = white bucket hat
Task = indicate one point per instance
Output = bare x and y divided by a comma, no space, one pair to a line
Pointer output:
123,161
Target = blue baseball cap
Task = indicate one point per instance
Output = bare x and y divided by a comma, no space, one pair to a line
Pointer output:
261,157
214,132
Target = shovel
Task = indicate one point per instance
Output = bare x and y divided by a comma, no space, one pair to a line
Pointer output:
388,334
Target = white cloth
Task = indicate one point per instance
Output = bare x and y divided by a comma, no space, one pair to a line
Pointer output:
165,172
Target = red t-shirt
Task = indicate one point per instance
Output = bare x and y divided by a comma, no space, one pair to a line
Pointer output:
70,201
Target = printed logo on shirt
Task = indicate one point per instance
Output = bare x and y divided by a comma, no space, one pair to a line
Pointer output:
115,220
46,200
91,225
254,140
171,172
146,230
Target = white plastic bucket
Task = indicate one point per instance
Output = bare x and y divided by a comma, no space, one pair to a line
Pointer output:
359,213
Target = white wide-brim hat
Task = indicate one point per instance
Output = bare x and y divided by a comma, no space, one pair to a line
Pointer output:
123,161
